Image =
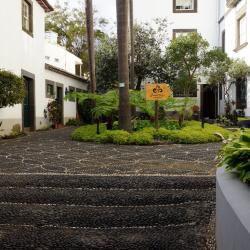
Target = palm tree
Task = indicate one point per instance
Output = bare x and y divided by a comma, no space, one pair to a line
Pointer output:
91,40
123,68
132,57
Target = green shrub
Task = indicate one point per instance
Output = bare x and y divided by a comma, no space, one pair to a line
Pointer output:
73,122
170,124
15,132
190,133
87,133
141,138
235,156
141,124
12,89
115,136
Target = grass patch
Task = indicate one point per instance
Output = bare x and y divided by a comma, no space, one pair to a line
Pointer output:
190,133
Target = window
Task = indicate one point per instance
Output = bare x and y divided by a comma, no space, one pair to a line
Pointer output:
242,31
57,60
78,69
50,89
184,6
241,94
27,19
47,57
223,40
182,32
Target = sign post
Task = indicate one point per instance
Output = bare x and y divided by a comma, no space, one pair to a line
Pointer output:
157,92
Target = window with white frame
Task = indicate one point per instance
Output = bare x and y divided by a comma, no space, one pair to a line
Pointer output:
185,5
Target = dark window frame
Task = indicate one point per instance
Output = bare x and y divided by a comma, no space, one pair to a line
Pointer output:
223,40
240,45
49,95
241,94
78,69
30,30
195,10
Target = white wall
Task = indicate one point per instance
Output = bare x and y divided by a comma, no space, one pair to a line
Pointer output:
18,51
230,26
205,20
67,60
69,107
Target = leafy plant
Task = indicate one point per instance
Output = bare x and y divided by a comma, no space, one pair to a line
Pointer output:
73,122
12,89
54,112
105,104
15,132
235,156
189,53
115,136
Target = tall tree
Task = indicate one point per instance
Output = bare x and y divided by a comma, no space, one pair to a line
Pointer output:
91,41
123,68
132,47
70,25
189,53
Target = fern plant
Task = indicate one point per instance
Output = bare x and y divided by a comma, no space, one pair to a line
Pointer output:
235,156
105,104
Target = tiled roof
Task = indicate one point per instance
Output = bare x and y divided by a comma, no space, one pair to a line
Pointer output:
45,5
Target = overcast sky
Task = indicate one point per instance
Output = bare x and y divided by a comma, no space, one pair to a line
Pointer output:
144,10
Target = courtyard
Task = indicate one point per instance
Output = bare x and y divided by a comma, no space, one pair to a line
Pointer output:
61,194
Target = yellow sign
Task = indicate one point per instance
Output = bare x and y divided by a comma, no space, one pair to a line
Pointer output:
158,92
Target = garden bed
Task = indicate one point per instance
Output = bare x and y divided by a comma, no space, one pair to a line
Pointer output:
190,133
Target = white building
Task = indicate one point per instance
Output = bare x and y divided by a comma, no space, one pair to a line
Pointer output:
223,23
234,20
23,51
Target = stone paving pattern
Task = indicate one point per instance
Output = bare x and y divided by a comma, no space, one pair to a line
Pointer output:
54,152
59,194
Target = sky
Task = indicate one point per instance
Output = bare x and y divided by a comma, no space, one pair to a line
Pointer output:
144,10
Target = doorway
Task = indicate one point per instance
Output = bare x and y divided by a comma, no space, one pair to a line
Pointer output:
209,97
29,105
59,99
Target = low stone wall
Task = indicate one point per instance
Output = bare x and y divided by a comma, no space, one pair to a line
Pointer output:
232,212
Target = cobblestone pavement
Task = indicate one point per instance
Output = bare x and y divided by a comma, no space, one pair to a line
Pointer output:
59,194
54,152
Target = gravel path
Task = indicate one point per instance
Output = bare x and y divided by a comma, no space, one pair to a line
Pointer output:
60,194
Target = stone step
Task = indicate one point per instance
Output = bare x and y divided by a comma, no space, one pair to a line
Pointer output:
107,181
182,237
104,216
85,196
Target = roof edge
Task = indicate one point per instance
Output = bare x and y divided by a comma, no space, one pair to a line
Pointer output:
45,5
65,73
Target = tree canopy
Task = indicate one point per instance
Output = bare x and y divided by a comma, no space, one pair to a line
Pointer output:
70,25
189,54
12,90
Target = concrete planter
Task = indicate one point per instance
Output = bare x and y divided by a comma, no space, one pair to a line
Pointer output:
232,212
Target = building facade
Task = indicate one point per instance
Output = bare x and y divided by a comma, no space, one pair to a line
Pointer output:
234,20
23,51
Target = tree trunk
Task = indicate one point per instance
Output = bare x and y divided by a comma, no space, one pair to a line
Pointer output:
123,68
132,41
132,52
91,41
139,80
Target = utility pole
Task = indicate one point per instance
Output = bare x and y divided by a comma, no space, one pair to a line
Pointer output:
122,8
91,41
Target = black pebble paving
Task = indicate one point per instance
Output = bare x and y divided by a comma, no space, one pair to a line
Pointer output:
60,194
